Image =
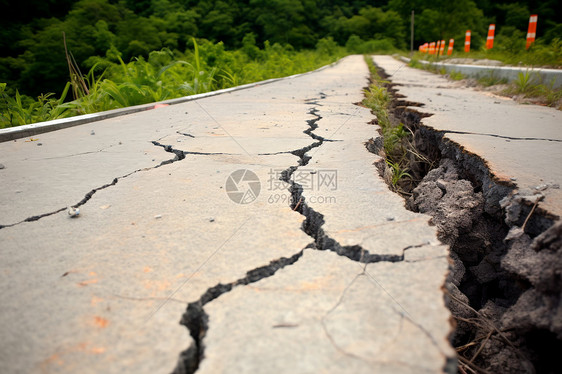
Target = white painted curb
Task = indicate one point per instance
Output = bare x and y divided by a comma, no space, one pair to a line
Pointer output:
510,73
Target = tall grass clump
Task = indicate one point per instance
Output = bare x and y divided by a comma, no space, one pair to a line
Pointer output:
529,86
17,110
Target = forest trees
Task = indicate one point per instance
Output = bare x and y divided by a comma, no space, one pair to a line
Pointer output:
32,53
32,58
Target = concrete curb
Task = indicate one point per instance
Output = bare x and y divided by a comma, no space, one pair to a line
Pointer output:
545,76
18,132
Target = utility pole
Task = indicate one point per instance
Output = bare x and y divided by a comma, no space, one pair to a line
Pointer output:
412,34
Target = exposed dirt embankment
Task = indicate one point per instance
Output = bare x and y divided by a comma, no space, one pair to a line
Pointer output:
505,285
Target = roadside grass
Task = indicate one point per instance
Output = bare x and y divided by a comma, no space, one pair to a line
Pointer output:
397,137
539,55
523,82
20,109
431,67
112,83
531,87
490,80
456,75
511,52
525,86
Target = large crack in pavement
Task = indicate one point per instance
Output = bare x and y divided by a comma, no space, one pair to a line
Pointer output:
500,136
314,220
196,320
504,288
197,307
178,156
87,197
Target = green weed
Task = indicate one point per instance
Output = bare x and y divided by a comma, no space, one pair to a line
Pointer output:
551,96
491,79
523,82
542,93
431,67
456,75
398,173
20,110
415,63
395,136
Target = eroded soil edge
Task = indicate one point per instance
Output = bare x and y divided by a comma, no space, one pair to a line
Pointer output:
505,283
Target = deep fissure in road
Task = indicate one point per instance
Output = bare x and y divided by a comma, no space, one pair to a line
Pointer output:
504,288
196,319
314,220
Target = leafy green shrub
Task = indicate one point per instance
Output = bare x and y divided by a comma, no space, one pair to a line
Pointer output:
357,45
510,40
380,45
327,46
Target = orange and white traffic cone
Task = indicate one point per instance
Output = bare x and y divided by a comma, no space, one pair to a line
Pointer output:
450,49
442,48
532,32
432,48
490,39
467,41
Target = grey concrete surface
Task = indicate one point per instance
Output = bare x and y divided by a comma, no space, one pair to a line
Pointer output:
104,292
361,188
331,315
510,73
520,143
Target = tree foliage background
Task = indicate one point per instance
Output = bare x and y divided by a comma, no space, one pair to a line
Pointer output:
32,55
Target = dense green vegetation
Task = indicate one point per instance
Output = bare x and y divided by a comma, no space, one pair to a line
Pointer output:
163,75
136,51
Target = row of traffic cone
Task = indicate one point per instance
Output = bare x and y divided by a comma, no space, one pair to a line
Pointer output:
438,47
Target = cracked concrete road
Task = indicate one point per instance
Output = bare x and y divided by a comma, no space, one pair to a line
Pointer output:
521,144
325,271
